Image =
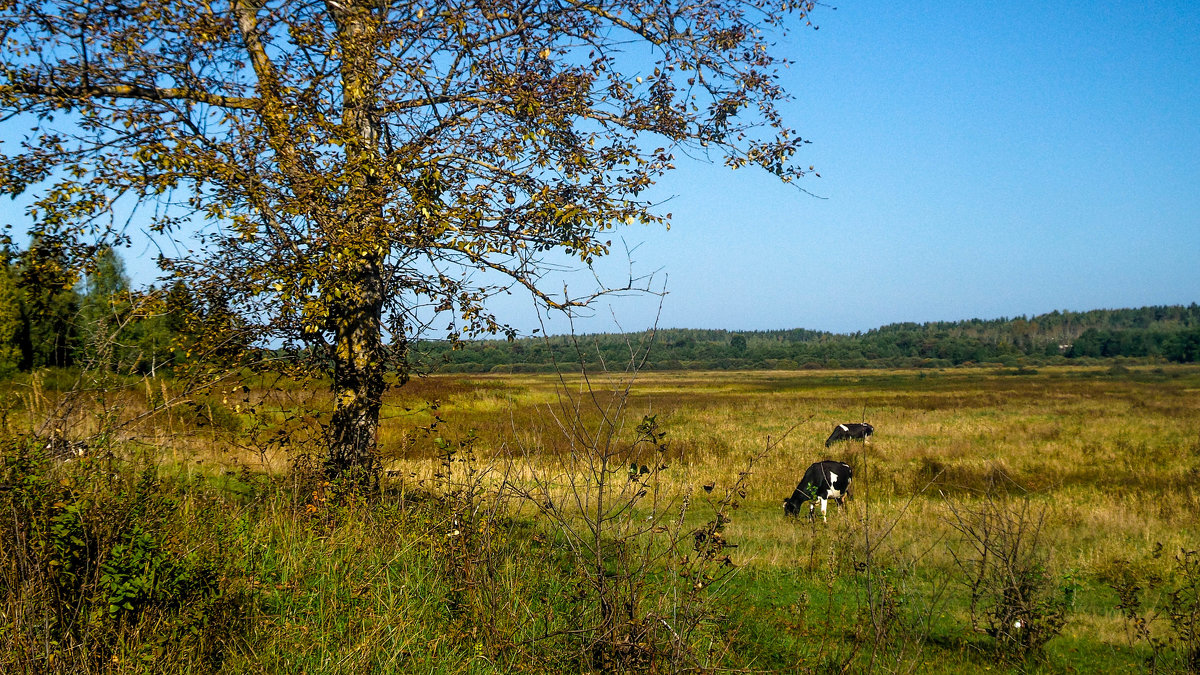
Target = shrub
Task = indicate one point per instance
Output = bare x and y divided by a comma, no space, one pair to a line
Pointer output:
1015,598
1178,650
97,560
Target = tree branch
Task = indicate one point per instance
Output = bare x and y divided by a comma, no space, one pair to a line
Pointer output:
129,91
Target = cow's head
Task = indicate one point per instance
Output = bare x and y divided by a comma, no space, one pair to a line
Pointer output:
803,493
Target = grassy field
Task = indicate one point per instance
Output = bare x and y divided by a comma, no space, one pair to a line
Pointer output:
508,531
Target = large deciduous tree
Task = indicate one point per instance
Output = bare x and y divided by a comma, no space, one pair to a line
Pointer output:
341,170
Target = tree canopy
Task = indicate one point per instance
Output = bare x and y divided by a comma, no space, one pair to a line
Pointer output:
340,172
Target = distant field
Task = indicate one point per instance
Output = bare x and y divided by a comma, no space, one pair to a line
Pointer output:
1112,454
1101,464
1120,452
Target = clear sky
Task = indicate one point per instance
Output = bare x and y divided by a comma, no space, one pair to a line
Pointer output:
977,160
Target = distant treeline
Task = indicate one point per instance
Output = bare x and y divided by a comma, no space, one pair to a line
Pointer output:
52,315
1162,333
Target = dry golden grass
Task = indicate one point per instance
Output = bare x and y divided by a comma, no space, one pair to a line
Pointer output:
1113,457
1116,457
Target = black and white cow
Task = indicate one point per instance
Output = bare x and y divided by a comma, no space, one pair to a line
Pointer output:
823,481
852,430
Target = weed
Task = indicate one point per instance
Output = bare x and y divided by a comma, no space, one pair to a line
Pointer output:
86,556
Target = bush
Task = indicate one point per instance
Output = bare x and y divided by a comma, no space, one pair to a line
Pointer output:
97,561
1014,596
1176,649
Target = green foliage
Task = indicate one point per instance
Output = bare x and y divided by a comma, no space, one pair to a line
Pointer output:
737,343
1146,597
140,573
46,279
11,320
1182,346
49,320
94,548
104,314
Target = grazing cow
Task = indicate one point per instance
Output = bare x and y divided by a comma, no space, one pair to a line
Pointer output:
823,481
853,430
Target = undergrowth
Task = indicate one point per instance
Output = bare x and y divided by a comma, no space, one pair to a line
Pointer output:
104,562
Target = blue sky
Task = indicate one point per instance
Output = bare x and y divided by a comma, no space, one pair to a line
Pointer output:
977,160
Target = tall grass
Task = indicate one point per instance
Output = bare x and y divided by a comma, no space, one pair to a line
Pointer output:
456,564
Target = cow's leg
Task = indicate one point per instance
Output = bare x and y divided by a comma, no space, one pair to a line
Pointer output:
824,504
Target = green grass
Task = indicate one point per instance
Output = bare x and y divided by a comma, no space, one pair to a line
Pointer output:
438,576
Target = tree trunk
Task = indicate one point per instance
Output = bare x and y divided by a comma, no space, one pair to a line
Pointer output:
358,374
356,303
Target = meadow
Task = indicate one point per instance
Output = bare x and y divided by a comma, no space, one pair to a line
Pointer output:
1000,519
